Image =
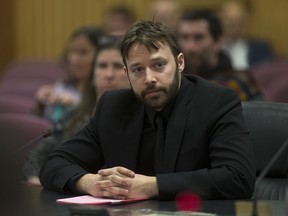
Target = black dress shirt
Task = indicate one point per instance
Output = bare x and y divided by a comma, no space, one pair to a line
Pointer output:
146,165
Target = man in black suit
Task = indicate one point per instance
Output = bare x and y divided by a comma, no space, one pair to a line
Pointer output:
120,154
199,34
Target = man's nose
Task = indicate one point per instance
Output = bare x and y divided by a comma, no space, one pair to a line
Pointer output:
190,45
150,76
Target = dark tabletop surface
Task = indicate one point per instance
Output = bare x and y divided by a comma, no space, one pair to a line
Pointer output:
41,202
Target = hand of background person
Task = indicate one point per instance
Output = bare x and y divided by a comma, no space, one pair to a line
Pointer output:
44,93
64,98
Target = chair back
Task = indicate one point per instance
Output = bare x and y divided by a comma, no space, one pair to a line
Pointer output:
10,103
25,78
268,126
18,129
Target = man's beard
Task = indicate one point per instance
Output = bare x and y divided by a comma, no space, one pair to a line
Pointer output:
195,64
167,93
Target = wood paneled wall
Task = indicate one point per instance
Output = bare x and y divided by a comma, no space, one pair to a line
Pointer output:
269,21
40,28
7,34
43,26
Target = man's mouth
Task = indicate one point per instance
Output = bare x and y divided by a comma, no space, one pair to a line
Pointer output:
152,93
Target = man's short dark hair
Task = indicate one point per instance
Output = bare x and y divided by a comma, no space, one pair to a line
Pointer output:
214,24
150,34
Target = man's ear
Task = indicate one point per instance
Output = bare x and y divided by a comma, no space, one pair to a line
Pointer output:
181,62
125,70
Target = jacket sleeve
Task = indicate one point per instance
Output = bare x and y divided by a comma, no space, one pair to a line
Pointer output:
37,157
75,157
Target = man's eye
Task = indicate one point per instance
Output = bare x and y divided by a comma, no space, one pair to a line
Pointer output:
198,37
159,65
137,69
184,36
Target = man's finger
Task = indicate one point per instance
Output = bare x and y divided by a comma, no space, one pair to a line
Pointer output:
126,172
121,171
114,192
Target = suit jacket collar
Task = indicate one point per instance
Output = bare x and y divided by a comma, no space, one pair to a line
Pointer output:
132,127
177,123
131,132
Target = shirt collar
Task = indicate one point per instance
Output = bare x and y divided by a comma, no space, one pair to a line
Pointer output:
165,112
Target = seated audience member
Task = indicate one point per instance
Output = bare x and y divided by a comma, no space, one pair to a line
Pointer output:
166,11
118,20
108,74
244,51
200,37
168,135
54,99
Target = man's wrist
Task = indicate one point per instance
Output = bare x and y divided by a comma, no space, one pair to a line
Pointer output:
85,182
153,187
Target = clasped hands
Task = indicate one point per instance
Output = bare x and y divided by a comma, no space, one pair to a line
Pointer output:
118,183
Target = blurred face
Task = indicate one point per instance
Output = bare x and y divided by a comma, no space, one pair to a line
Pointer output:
80,57
197,43
109,71
234,19
154,75
117,24
166,12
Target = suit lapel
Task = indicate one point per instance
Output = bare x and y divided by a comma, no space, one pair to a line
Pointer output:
176,126
132,126
131,132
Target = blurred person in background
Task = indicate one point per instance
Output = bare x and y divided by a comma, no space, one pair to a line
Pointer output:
243,50
200,37
54,99
166,11
107,74
118,20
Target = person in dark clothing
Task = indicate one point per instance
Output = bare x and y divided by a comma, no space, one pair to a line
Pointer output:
167,135
106,74
200,38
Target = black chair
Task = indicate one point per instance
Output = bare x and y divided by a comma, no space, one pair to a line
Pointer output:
268,126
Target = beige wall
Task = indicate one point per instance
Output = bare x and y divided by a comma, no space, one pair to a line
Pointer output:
43,26
40,28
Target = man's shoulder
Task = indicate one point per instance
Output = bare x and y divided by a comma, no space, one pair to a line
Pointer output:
205,90
203,84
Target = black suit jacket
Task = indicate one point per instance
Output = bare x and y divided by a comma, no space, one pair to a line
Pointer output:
207,148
